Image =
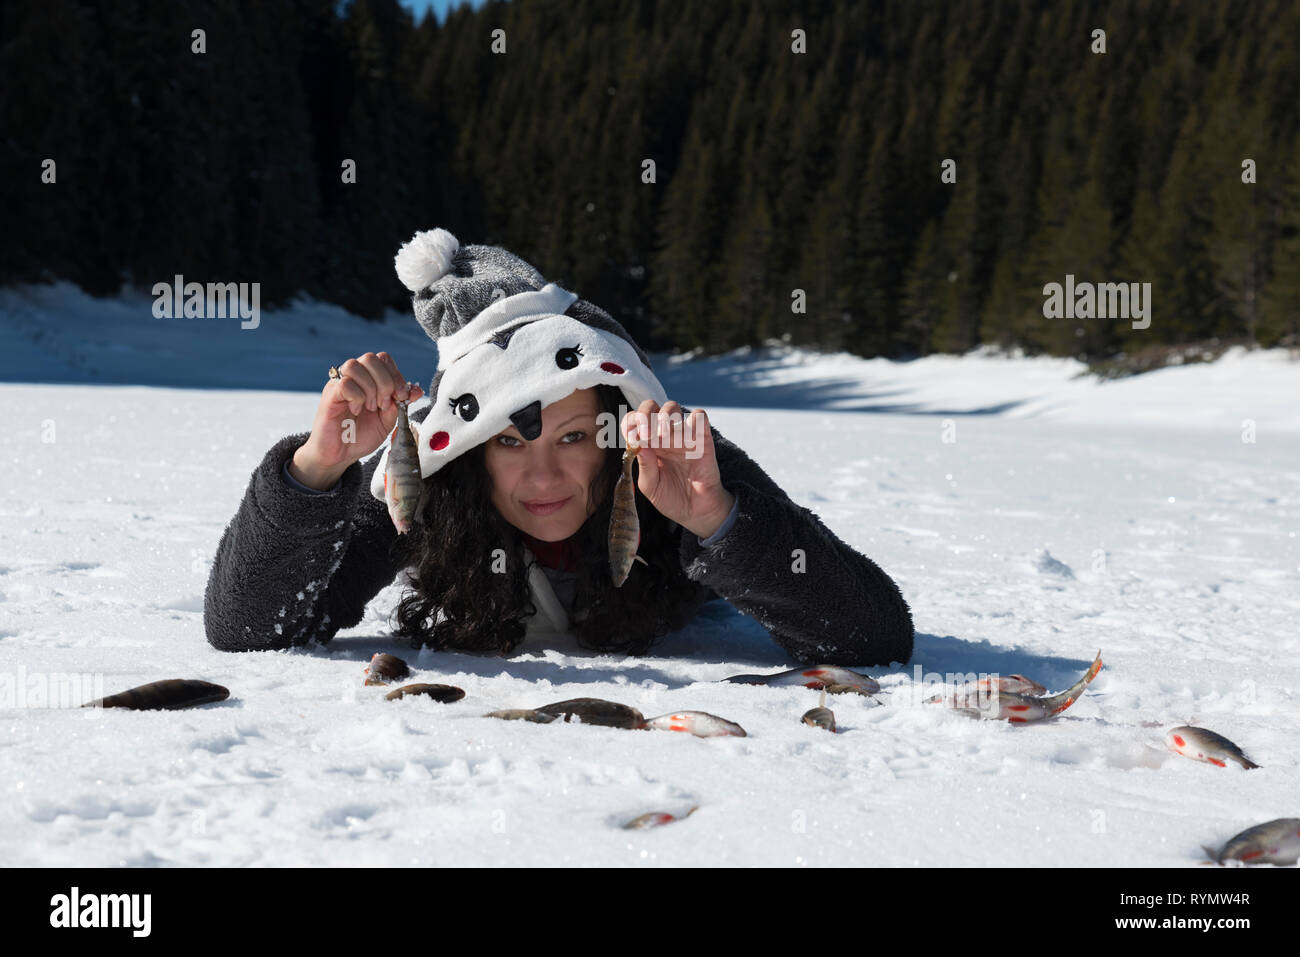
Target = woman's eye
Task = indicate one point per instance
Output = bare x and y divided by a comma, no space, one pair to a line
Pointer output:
580,437
509,441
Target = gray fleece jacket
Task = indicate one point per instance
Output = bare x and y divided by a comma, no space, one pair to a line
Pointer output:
295,566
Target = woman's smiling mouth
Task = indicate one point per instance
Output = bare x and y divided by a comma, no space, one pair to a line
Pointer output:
546,508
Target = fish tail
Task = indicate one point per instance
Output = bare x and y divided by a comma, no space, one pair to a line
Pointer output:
1057,703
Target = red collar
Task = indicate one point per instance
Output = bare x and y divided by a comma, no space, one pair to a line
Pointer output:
562,555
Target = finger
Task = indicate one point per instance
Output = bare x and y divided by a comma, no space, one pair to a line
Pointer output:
403,391
395,376
666,438
637,424
359,374
347,390
676,426
648,468
383,376
645,418
701,437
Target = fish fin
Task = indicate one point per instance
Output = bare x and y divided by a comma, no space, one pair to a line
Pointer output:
1213,854
638,558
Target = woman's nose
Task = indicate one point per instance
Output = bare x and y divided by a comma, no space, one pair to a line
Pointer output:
541,464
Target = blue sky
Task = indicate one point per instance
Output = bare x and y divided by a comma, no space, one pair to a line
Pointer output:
439,7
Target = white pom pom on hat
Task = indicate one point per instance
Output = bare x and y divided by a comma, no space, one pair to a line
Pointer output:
425,259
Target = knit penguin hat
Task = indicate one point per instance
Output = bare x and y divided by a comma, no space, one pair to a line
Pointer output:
509,344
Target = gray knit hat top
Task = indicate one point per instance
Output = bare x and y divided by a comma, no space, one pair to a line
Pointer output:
509,344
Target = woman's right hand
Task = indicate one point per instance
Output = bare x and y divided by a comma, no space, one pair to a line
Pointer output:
367,393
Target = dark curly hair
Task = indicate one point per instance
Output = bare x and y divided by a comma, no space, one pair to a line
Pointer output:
464,601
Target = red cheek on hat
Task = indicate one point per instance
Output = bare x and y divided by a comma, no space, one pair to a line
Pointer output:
612,367
438,441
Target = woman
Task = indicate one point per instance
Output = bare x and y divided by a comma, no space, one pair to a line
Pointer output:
519,463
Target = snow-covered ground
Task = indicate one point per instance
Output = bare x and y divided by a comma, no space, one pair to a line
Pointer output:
1030,517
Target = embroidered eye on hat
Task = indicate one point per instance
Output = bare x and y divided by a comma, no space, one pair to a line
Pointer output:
509,344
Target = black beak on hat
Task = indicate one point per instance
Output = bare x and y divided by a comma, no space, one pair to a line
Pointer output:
528,420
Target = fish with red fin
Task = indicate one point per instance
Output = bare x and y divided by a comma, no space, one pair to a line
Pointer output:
1201,744
815,677
1273,842
656,819
699,723
1020,708
403,484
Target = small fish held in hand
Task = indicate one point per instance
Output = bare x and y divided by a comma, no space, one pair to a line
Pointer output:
821,716
1021,708
444,693
403,485
815,677
656,819
596,711
170,695
384,668
624,524
1201,744
1273,842
699,723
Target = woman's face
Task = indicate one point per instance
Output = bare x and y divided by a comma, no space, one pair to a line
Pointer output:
541,487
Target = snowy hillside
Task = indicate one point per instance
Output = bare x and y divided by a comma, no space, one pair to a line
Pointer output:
1030,517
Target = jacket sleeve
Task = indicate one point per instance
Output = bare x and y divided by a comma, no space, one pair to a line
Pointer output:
294,566
824,603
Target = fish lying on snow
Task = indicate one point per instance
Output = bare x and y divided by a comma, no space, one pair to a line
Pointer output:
1013,684
1201,744
815,677
1273,842
596,711
1020,708
699,723
611,714
656,819
171,695
402,482
850,689
624,523
444,693
821,716
384,668
522,714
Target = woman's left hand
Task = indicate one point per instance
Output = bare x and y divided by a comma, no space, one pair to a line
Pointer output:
682,483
